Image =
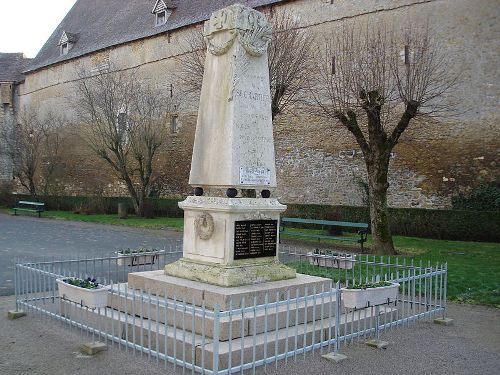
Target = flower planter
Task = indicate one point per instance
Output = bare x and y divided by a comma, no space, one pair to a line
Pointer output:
333,261
87,297
138,259
361,298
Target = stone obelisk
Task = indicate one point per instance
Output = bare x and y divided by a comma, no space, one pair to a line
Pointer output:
230,240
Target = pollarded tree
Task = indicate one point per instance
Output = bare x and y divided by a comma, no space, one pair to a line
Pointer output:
375,81
124,124
290,61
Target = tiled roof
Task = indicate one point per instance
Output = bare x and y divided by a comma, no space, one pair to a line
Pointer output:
11,66
101,24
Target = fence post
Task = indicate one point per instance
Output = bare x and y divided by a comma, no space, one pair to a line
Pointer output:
338,301
16,285
216,339
445,288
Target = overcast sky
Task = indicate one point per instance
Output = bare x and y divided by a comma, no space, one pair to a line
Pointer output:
25,25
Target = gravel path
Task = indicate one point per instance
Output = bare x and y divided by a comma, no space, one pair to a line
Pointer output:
37,345
27,237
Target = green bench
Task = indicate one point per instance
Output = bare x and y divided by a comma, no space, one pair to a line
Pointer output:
36,207
362,229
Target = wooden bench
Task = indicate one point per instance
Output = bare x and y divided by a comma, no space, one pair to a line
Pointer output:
36,207
362,229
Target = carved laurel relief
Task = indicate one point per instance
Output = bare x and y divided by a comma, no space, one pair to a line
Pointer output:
204,226
250,27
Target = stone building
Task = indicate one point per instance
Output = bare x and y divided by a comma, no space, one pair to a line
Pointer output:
316,162
12,66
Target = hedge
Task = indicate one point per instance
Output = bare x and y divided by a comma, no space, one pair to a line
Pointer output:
460,225
457,225
107,205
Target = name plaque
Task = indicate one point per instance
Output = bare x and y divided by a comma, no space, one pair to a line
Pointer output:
255,176
255,238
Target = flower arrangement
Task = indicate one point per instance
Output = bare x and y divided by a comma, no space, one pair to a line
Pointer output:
363,295
140,250
86,292
138,257
88,283
331,259
370,285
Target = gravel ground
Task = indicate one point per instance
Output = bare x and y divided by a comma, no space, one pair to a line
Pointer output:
37,345
32,238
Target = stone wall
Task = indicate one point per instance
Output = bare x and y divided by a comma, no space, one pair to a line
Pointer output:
6,118
319,162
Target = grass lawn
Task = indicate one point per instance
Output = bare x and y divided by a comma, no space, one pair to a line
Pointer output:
131,221
473,267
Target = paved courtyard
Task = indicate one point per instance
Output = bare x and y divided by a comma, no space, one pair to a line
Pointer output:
37,345
33,238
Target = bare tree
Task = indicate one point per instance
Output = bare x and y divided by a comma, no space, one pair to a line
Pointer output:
33,146
289,61
124,125
375,81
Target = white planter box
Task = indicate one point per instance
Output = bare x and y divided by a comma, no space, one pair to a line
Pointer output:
87,297
333,261
361,298
139,259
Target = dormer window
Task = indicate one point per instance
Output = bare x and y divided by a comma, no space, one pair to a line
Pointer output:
162,10
64,48
66,42
161,18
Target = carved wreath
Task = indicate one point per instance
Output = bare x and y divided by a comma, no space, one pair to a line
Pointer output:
254,41
204,226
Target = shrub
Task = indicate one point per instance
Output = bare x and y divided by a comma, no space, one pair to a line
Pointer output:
461,225
485,197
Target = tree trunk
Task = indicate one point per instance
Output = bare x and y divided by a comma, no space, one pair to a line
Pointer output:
379,216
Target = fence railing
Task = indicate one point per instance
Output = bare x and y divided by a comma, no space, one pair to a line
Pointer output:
239,333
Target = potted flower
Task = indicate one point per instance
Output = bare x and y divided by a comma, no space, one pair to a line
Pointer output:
138,257
87,292
359,296
331,259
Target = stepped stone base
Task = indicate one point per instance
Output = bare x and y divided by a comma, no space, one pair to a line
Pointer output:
177,340
230,276
156,282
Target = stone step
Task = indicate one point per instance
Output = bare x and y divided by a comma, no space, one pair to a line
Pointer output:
182,344
157,283
130,301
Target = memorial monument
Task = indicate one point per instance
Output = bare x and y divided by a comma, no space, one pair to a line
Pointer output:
230,249
232,240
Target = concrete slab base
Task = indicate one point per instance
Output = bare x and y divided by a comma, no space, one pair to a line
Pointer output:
334,357
378,344
230,276
444,321
15,314
92,348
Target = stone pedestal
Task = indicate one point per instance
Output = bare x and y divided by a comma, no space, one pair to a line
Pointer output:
230,241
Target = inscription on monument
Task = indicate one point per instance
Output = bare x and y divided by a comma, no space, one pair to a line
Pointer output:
255,176
255,238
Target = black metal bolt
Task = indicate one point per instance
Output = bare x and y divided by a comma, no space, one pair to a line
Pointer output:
198,191
265,193
231,192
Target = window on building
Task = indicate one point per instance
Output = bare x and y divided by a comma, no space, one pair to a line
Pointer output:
122,126
64,48
173,124
161,18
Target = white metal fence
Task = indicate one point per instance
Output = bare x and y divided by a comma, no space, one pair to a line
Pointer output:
179,331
